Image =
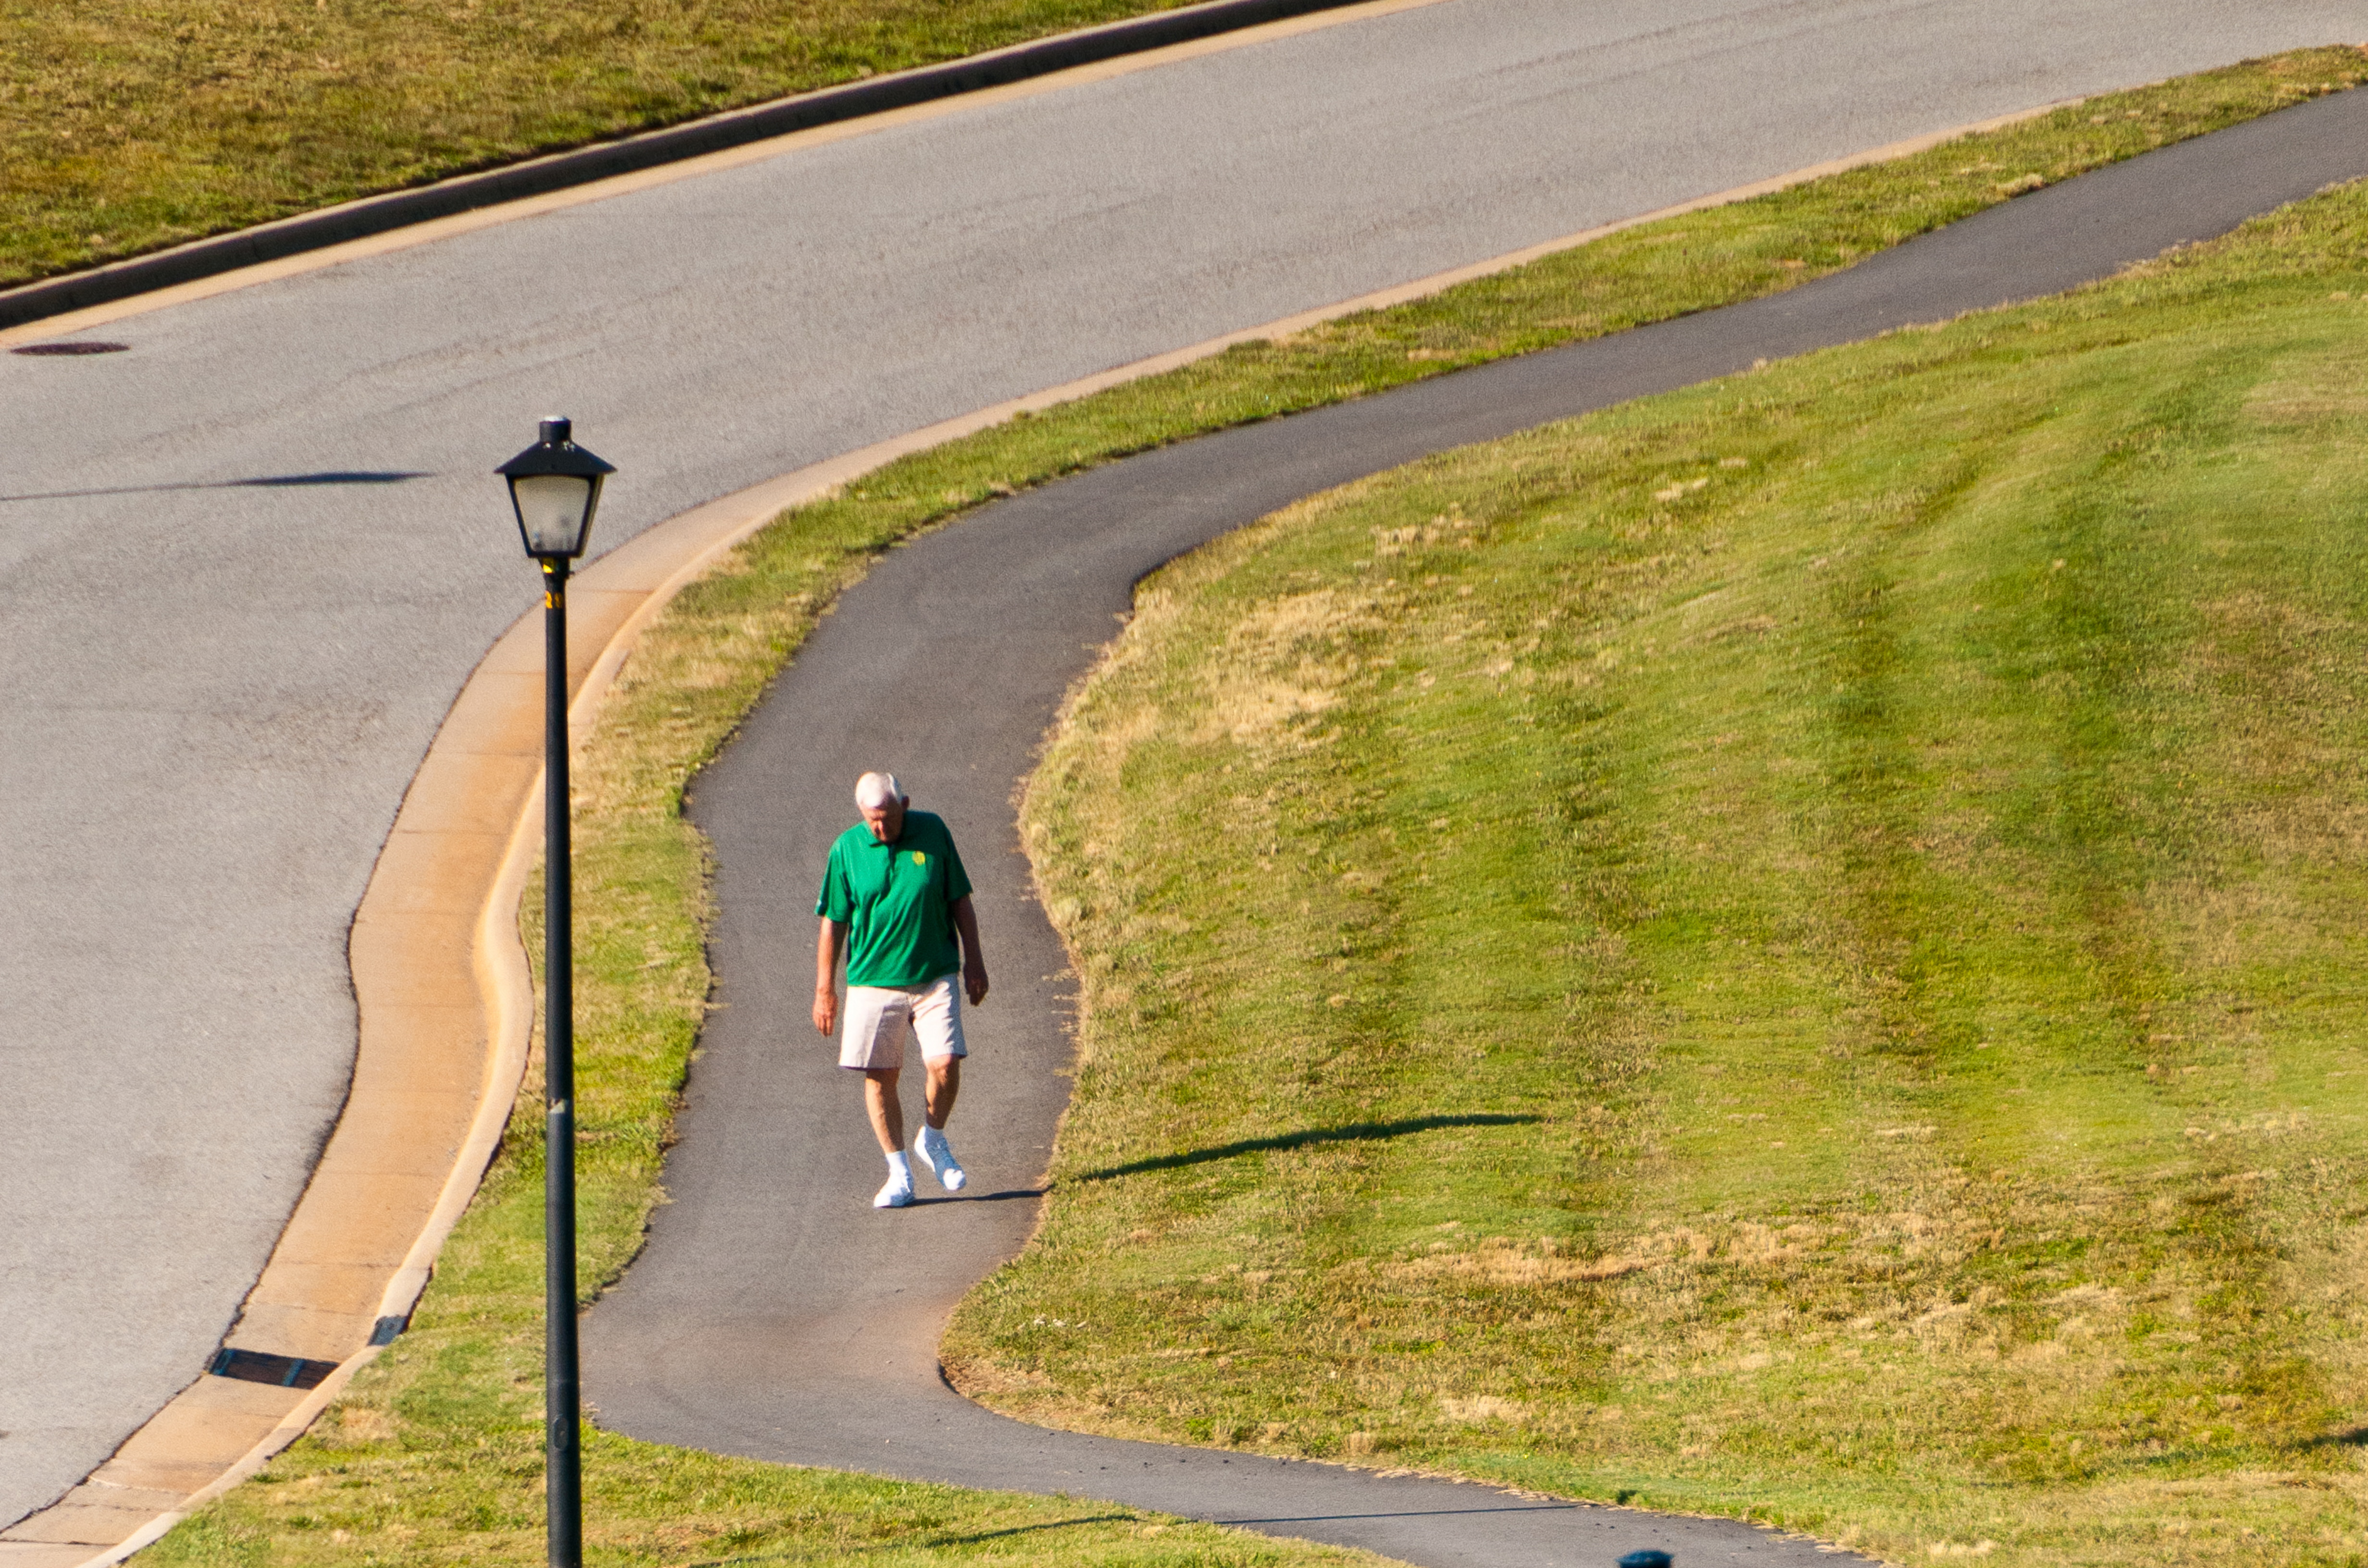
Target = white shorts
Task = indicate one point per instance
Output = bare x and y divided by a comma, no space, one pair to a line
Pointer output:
871,1035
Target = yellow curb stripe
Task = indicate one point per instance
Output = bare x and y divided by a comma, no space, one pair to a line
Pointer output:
285,1431
478,797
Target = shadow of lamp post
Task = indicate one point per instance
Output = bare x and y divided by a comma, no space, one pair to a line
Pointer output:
554,488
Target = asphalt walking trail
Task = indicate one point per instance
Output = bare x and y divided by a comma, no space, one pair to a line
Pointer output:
248,563
774,1314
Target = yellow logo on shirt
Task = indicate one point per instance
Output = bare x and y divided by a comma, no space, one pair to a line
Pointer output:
920,858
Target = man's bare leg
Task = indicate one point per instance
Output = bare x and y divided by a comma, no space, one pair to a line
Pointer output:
937,1097
936,1104
886,1107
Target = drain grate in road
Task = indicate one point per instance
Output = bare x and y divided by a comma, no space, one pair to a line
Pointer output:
76,348
255,1367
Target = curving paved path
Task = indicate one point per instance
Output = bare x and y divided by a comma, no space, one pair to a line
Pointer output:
244,566
773,1313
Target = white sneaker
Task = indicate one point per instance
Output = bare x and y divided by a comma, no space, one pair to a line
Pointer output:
897,1194
932,1147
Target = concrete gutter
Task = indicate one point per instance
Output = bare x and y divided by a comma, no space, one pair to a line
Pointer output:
648,150
445,996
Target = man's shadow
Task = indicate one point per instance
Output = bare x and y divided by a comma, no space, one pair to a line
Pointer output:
1356,1132
1004,1196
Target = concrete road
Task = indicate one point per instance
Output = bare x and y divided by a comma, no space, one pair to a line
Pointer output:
245,565
775,1313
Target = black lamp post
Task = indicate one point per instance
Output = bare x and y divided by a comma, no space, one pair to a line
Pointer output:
555,487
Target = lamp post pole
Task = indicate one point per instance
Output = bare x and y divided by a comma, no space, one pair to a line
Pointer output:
562,1397
554,489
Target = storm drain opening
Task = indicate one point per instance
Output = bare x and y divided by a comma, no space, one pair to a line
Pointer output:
255,1367
78,347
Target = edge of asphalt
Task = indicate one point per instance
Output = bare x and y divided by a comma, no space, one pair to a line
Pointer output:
396,219
444,992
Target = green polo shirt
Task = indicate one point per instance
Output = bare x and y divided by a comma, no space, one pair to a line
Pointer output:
896,901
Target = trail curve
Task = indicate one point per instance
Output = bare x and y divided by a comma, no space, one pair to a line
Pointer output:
773,1313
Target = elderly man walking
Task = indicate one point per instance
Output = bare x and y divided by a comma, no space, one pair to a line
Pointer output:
895,896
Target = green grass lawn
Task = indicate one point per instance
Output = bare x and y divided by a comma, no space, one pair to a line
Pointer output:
432,1455
128,125
648,1505
1791,949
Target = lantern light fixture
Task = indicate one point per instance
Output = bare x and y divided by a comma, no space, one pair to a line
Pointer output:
554,490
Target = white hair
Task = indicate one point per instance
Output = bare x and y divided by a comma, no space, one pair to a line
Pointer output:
874,791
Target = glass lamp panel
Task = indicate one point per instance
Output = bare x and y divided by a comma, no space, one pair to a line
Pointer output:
554,511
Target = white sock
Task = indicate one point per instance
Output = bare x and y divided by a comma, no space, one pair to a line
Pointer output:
900,1167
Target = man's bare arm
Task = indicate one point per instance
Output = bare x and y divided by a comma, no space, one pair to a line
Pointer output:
825,1001
973,956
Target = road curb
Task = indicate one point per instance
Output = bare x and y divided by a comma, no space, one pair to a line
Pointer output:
646,150
447,1011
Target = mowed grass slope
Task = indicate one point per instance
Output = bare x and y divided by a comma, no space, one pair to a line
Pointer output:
1793,949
